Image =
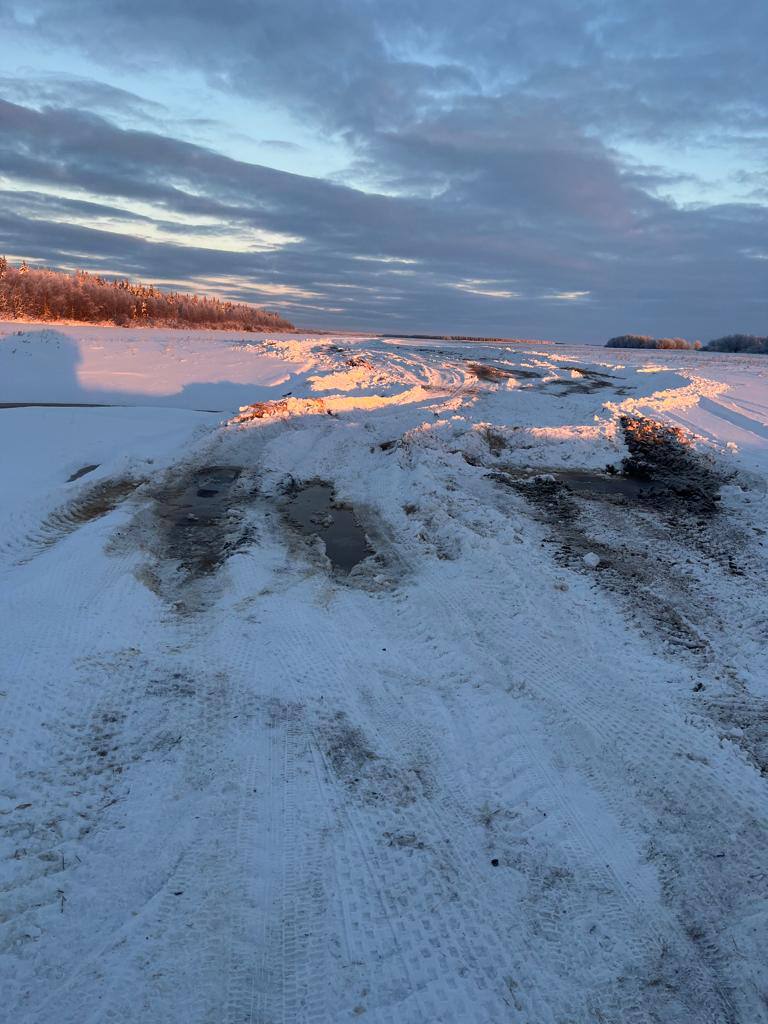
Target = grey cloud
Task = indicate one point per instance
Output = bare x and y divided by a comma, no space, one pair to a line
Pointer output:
486,142
282,144
638,64
74,91
655,268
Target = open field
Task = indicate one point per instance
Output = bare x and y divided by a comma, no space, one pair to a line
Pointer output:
502,757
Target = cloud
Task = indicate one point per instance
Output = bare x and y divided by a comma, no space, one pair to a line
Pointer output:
483,288
646,265
76,92
527,155
294,147
646,67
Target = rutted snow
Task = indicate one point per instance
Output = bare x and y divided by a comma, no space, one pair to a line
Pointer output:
478,780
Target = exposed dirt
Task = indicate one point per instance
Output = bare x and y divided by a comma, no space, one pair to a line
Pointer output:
586,383
496,374
281,407
743,721
663,456
98,501
371,778
650,582
655,536
637,528
92,503
495,440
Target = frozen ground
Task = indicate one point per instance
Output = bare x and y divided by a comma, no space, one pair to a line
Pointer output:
512,767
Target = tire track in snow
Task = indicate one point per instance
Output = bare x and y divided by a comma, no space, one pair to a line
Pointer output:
369,871
548,677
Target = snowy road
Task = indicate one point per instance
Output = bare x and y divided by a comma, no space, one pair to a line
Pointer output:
511,768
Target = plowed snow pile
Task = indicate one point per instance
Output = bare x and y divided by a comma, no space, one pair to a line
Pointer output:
502,757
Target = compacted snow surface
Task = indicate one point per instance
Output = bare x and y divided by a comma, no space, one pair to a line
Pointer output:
510,767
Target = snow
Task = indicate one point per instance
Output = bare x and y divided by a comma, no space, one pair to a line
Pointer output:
473,781
151,367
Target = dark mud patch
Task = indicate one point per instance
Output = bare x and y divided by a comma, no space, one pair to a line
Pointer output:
371,778
495,440
282,713
584,482
93,503
497,374
636,560
744,721
662,472
662,456
604,485
586,383
669,554
99,501
83,471
405,840
195,519
347,749
314,511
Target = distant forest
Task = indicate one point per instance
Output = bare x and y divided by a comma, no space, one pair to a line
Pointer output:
752,343
462,337
49,295
739,343
644,341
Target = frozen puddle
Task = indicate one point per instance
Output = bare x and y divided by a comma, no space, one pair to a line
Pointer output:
315,512
604,484
585,482
194,516
496,374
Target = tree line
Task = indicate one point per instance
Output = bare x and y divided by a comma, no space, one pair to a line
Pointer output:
739,343
49,295
752,343
645,341
463,337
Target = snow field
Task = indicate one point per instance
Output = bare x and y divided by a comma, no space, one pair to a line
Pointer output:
476,780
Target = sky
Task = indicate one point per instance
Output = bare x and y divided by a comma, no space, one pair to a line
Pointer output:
565,169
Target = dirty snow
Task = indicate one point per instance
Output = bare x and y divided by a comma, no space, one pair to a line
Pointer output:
510,767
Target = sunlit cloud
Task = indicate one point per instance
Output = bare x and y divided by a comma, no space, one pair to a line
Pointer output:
241,285
480,287
190,238
384,259
567,296
150,222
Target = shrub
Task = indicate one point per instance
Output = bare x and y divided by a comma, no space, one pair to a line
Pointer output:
27,294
